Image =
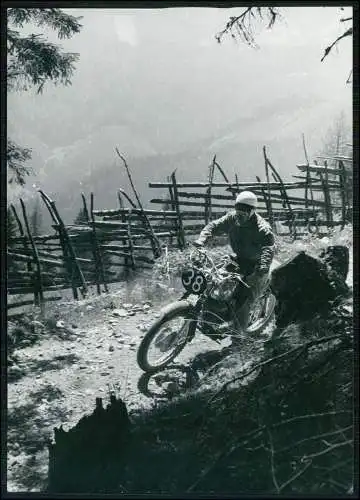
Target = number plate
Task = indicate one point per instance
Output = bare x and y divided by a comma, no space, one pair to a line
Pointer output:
193,281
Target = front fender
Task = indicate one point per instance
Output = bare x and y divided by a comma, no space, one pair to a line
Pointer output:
167,310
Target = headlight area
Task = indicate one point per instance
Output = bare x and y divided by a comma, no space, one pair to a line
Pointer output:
224,290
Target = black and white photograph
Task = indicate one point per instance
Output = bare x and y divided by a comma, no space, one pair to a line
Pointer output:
178,278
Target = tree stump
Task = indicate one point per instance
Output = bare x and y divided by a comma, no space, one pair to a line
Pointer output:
90,457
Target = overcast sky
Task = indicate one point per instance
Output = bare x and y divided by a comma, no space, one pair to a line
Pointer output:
299,26
156,81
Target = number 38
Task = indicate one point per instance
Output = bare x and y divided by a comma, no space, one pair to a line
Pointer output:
194,281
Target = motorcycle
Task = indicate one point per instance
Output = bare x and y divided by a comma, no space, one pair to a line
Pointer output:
207,303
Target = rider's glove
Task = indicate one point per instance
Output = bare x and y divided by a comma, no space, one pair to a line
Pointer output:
198,244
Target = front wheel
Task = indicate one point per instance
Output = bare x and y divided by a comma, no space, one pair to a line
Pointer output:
166,337
261,313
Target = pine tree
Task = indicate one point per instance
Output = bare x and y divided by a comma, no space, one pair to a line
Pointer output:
31,62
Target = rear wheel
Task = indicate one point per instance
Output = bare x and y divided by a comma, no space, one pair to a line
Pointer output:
166,338
262,312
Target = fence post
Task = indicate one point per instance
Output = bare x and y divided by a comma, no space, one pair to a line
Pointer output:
123,219
58,227
270,211
342,181
26,248
181,236
93,247
327,199
285,198
71,263
208,192
131,245
155,244
308,186
264,194
99,262
38,288
173,208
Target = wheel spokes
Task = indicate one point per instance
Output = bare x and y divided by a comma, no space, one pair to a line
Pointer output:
170,336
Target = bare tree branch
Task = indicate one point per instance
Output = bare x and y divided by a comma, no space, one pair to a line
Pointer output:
274,359
330,448
272,462
311,438
348,32
242,26
295,476
349,77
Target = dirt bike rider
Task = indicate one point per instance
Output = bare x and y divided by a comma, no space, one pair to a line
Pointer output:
252,240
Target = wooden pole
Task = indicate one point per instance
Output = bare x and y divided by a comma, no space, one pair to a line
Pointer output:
66,257
284,194
99,262
154,241
207,211
264,196
343,187
271,217
68,250
181,237
325,187
237,184
309,187
173,208
93,244
130,243
25,246
38,289
226,179
123,219
325,182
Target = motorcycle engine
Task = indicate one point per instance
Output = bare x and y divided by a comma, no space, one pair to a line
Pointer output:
224,290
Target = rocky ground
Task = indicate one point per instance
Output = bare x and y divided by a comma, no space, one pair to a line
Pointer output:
90,351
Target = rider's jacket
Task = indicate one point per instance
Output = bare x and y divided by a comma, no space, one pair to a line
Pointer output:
252,241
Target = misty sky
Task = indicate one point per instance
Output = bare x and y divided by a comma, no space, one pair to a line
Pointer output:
156,82
179,44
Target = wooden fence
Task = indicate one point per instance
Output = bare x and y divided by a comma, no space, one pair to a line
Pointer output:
109,244
310,209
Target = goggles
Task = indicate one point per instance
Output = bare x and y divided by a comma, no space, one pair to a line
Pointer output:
243,209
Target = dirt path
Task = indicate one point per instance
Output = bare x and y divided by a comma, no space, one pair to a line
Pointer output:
59,379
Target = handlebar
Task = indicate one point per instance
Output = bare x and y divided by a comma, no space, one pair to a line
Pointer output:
200,255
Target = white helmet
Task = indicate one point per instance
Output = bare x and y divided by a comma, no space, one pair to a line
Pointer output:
247,198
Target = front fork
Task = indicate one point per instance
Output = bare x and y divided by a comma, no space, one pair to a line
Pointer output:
195,312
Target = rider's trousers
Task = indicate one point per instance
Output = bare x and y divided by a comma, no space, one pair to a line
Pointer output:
241,317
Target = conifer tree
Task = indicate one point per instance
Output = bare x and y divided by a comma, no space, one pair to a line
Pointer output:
33,61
